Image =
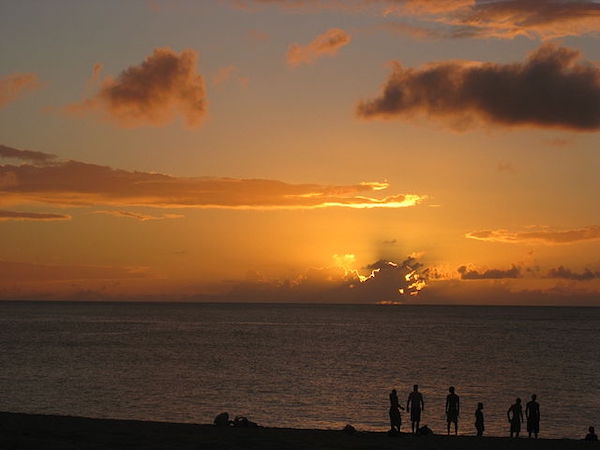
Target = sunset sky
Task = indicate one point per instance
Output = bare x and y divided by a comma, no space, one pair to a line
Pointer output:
410,151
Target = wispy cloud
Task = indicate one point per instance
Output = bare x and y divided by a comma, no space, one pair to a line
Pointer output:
553,88
14,86
41,217
503,19
138,216
545,236
164,85
326,44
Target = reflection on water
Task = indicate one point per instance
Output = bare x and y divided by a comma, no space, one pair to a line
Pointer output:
300,365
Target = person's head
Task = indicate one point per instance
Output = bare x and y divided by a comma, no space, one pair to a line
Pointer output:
479,405
451,389
394,391
518,401
416,387
533,397
591,430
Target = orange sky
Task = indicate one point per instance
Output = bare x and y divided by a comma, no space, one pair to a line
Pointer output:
301,151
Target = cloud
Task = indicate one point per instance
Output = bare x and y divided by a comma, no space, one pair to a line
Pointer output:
14,86
326,44
490,274
73,183
567,274
164,85
138,216
531,18
226,73
553,88
504,19
387,282
544,236
25,155
42,217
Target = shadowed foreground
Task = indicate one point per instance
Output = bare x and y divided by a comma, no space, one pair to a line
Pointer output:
25,431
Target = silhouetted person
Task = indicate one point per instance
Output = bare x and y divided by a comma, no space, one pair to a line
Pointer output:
395,418
532,412
415,405
591,436
452,409
479,419
515,417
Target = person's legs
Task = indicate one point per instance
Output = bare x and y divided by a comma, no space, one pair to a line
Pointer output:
456,427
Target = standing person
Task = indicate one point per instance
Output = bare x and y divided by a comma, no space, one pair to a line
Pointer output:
515,417
452,409
591,436
479,419
415,405
532,413
395,417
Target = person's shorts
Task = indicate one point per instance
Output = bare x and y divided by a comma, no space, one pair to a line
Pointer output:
415,415
452,416
533,426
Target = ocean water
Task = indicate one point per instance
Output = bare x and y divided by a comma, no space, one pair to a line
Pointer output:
300,365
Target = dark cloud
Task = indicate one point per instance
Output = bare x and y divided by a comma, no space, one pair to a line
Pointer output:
545,236
25,155
567,274
490,274
80,184
388,282
553,88
167,83
42,217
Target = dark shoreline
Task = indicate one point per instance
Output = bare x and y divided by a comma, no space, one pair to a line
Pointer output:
33,431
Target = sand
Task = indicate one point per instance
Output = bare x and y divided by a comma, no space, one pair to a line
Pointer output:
27,431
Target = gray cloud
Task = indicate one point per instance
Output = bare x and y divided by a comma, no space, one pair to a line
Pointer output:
490,274
553,88
25,155
568,274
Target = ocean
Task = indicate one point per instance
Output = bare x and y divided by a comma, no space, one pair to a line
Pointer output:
305,366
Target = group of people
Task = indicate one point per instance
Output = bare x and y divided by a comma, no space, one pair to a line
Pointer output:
415,405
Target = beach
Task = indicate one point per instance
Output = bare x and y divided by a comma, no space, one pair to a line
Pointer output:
30,431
